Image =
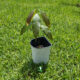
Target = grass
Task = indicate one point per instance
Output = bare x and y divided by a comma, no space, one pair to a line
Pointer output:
15,51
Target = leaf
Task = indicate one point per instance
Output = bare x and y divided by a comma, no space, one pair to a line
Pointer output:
45,19
29,18
49,35
24,28
35,18
46,31
35,28
43,27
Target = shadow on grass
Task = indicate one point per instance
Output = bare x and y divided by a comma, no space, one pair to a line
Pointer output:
70,4
32,70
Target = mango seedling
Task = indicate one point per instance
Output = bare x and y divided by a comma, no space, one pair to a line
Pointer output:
40,45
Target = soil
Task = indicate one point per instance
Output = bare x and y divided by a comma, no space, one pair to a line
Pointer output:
40,43
40,46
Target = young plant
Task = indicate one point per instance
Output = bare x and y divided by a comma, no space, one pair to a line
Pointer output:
35,20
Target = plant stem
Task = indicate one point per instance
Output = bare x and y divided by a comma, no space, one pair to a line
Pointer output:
36,40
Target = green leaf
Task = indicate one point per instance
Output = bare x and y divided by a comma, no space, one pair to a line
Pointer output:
45,19
24,28
29,18
46,31
43,27
36,18
48,34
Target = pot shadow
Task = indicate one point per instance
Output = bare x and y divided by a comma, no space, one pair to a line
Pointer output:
32,70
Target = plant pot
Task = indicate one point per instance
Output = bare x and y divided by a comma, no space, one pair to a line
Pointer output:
40,54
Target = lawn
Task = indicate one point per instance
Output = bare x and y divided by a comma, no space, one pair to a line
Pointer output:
15,51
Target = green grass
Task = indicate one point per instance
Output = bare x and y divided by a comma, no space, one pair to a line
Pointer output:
15,51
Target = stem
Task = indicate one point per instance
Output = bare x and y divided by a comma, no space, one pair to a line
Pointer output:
36,40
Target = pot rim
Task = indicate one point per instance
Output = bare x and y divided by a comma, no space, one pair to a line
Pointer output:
42,47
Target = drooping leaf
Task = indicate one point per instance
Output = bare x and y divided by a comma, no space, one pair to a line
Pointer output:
29,18
35,28
23,29
49,35
43,27
45,19
46,31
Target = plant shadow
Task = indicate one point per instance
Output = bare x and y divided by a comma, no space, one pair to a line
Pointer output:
32,70
68,4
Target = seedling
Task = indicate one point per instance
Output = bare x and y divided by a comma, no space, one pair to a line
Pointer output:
37,18
40,45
